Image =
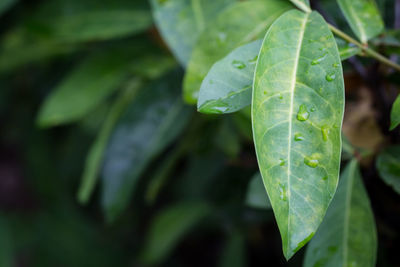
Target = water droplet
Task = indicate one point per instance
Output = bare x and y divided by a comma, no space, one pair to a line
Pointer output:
298,137
238,64
265,92
330,77
313,109
335,65
303,113
253,60
282,192
311,161
280,96
320,89
325,178
282,162
325,132
318,60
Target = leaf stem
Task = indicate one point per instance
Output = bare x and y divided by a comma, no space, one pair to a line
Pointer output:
364,48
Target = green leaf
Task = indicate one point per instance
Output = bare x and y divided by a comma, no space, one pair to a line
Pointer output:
346,50
181,21
169,227
227,86
347,236
6,243
5,5
234,253
95,156
302,4
257,197
237,25
154,119
395,114
85,87
388,165
363,17
297,112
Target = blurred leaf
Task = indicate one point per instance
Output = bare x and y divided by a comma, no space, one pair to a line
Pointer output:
297,112
95,156
302,4
169,227
6,244
257,197
388,165
154,119
237,25
395,114
227,86
5,5
346,50
363,17
180,22
78,21
227,139
347,236
234,253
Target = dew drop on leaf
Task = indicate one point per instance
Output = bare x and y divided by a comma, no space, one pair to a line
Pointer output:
325,178
282,192
311,161
303,113
330,77
253,60
318,60
238,64
282,162
325,132
298,137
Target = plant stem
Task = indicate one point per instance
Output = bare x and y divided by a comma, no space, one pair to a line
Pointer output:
364,48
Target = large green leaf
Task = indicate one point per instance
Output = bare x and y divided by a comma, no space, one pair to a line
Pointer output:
297,111
228,85
237,25
169,227
181,21
388,165
302,4
363,17
154,119
395,114
347,236
256,195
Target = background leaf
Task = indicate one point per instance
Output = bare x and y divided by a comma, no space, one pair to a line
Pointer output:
180,22
388,165
169,227
257,197
302,4
237,25
154,119
234,253
297,112
347,236
395,114
363,17
5,5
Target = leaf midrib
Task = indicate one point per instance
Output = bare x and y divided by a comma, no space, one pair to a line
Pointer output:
293,87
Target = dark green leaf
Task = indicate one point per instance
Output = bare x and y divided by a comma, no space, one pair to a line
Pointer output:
347,236
388,165
181,21
154,119
395,114
237,25
297,112
257,197
227,86
169,227
363,17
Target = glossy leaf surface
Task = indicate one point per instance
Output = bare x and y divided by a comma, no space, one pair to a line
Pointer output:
363,17
227,86
169,227
388,165
154,119
395,114
256,195
302,4
297,112
347,236
237,25
181,21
